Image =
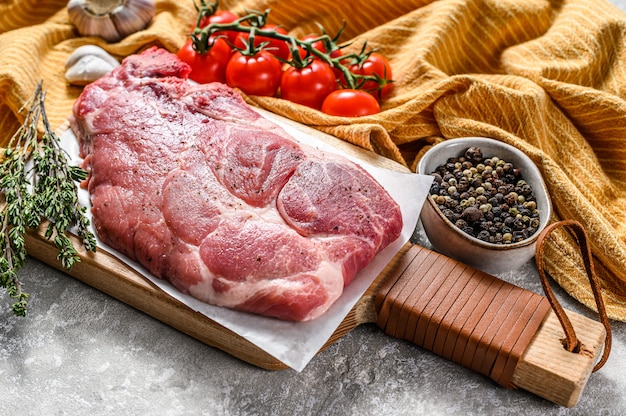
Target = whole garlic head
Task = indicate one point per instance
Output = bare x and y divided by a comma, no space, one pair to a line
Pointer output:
112,20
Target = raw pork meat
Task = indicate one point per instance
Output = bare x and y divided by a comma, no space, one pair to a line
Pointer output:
200,189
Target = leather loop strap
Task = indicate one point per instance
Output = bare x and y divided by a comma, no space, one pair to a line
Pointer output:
571,341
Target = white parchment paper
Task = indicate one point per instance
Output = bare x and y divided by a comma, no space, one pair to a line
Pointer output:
296,343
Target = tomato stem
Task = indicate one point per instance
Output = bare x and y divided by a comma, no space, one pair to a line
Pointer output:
205,10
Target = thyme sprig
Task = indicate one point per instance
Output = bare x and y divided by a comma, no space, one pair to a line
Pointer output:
38,184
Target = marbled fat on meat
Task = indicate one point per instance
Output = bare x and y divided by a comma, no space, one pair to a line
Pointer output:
200,189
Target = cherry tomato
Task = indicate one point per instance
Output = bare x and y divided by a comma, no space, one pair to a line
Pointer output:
375,64
208,67
222,16
276,47
309,85
350,103
258,74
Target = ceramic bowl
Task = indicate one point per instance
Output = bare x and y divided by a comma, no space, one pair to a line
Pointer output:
448,239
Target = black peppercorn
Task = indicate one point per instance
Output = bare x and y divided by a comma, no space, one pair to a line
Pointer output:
474,153
472,214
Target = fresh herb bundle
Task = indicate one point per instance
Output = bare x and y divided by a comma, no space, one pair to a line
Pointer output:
38,185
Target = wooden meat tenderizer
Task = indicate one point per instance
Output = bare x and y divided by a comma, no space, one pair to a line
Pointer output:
517,338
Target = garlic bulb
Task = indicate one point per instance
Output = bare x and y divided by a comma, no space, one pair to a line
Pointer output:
88,63
112,20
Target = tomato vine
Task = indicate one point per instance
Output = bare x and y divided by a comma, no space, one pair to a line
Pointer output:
249,35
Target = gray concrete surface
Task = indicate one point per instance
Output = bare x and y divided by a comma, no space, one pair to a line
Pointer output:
81,352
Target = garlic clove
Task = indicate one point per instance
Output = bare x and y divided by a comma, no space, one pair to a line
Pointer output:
112,20
87,69
92,50
134,16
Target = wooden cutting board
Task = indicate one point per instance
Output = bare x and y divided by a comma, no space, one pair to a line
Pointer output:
545,368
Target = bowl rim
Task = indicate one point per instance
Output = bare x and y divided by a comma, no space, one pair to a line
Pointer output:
544,220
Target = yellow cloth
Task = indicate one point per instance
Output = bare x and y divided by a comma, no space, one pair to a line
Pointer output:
548,77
